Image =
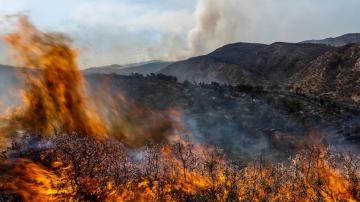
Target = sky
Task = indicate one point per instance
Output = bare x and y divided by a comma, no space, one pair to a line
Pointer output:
127,31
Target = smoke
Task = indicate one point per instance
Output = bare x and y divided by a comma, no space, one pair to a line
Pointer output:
215,25
170,47
217,22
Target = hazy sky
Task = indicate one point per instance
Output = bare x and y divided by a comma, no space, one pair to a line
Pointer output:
124,31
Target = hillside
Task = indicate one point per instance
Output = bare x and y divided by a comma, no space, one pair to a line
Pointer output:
243,122
334,74
245,63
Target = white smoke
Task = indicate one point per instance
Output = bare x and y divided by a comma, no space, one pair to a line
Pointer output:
215,25
217,22
170,47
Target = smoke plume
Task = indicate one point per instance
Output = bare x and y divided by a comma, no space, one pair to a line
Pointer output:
216,24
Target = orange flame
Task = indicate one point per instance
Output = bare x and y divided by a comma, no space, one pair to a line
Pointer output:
30,180
54,97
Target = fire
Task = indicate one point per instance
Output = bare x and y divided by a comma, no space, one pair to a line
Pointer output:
133,125
54,96
31,181
309,177
175,172
77,165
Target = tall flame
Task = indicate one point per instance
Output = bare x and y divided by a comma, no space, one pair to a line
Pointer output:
54,96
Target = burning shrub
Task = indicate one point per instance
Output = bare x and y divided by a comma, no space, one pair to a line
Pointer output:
81,168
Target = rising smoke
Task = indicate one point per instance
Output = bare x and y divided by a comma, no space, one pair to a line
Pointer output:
216,23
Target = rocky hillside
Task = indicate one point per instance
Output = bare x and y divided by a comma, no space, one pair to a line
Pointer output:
245,63
338,41
316,70
335,74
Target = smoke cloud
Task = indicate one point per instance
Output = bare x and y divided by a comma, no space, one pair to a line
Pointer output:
216,24
170,47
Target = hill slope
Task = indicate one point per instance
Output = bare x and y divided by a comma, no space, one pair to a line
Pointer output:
246,63
335,74
243,123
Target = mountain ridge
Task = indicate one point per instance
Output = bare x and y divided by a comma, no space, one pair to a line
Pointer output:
274,62
141,68
337,41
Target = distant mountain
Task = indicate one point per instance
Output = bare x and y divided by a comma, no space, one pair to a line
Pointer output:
141,68
110,69
335,74
247,63
338,41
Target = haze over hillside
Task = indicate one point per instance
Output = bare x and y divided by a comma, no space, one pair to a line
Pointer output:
141,68
242,120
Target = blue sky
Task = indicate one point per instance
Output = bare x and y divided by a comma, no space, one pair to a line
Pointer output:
125,31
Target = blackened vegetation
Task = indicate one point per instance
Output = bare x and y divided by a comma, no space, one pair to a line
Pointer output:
244,120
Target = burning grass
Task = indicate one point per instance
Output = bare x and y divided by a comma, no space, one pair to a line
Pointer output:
62,149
